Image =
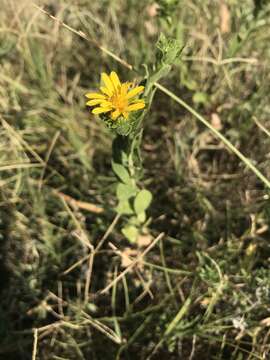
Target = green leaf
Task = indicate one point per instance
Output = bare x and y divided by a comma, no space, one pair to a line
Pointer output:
131,233
125,192
124,208
142,217
121,172
142,201
169,50
124,128
200,98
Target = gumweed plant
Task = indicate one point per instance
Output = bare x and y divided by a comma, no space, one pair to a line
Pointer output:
122,106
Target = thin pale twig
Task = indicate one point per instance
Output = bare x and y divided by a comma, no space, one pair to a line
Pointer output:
80,204
251,61
125,256
135,261
77,263
34,352
19,166
260,125
103,328
105,236
49,152
108,232
88,277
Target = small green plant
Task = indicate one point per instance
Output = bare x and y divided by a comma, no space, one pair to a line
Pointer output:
119,107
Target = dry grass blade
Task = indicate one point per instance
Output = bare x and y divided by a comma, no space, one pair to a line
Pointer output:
54,140
103,329
137,260
76,204
20,166
88,277
34,352
126,261
260,125
107,233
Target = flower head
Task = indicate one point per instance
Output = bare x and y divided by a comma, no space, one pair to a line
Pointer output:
116,98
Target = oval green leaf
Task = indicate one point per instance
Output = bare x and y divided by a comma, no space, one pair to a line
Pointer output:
142,201
131,233
121,172
125,192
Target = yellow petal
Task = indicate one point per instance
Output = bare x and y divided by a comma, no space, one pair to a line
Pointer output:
137,90
115,114
95,96
106,103
100,110
136,106
137,101
108,83
105,91
125,114
124,88
94,102
115,80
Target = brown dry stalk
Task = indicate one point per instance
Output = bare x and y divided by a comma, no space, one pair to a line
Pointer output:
80,204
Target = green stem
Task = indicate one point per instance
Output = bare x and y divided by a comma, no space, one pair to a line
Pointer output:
217,133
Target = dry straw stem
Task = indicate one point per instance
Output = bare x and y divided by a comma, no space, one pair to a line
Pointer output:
127,258
19,166
107,233
137,260
47,158
94,251
83,238
102,328
252,61
79,204
92,257
88,277
34,352
178,100
263,128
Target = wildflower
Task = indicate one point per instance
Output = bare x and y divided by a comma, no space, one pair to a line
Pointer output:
116,98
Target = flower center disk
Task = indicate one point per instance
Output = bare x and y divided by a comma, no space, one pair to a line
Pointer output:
119,102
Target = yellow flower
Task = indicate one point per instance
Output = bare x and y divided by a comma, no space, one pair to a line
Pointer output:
116,98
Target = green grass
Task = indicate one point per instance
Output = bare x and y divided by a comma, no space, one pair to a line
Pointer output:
202,290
